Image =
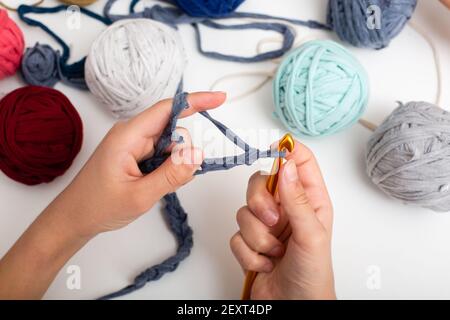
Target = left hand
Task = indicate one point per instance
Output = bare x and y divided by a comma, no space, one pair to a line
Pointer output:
110,191
107,194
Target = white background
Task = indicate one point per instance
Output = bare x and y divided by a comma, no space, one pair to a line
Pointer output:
410,246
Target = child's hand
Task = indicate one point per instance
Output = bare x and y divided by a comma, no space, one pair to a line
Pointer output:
110,191
301,267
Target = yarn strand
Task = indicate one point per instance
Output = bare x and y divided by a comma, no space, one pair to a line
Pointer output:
175,17
174,212
42,65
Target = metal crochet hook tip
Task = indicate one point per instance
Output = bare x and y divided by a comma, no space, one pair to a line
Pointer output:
286,143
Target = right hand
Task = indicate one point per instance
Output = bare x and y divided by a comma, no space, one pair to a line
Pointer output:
301,267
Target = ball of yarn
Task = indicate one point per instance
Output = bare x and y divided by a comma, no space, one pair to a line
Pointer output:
40,66
408,155
208,8
320,89
133,64
81,3
349,19
41,133
11,45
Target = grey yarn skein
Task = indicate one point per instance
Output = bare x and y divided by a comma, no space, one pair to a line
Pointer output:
133,64
408,156
349,19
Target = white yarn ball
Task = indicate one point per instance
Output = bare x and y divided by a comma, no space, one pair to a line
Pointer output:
133,64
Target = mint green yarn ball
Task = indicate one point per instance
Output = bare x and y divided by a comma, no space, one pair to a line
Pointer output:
320,89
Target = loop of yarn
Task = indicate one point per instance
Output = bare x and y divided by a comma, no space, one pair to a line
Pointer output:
80,3
11,45
174,17
320,88
133,64
209,8
41,134
42,65
408,155
349,19
174,212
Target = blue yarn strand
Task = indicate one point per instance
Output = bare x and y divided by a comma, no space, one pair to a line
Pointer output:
174,212
173,16
44,66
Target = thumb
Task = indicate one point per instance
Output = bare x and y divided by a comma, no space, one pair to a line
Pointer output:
176,171
296,205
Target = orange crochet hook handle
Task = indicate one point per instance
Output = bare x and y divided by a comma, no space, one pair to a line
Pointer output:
286,144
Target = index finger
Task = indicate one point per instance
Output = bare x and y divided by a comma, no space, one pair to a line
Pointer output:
312,180
152,121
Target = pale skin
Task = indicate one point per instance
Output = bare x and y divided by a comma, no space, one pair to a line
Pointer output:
110,192
301,267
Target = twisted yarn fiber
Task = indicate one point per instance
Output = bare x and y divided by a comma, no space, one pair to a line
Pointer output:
11,45
40,134
348,18
408,156
319,89
208,8
174,212
133,64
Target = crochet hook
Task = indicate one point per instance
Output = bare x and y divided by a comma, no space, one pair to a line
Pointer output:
285,144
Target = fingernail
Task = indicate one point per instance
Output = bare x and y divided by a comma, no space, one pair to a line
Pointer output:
276,252
290,171
271,217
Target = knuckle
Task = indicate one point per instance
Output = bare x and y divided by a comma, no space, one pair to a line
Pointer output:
301,198
255,200
234,241
262,244
172,177
250,262
240,215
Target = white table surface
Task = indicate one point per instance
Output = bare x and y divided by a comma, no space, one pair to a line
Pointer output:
410,247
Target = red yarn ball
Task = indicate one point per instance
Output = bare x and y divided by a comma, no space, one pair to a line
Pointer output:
40,134
11,45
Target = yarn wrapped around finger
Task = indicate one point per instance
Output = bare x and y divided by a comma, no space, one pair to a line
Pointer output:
11,45
174,212
369,23
41,134
320,89
133,64
408,156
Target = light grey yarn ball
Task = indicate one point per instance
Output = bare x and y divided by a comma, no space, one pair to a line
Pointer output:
408,156
133,64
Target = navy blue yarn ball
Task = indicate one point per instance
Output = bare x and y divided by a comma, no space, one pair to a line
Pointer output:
208,8
349,19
